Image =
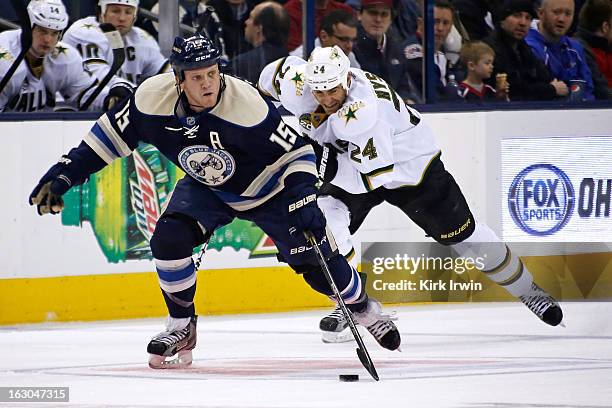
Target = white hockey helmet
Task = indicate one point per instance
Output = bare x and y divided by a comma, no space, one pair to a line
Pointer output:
49,14
327,68
104,3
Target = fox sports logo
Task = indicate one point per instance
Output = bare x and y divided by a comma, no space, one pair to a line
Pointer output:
541,199
212,167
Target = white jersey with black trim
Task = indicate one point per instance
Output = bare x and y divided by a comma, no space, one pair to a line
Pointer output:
382,141
62,72
143,57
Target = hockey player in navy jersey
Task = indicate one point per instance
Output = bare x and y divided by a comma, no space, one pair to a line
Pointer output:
378,149
240,159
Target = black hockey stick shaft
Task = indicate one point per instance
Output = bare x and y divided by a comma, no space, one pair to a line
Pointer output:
117,45
26,40
362,351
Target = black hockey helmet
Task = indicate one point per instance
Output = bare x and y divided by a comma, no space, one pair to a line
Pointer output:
194,52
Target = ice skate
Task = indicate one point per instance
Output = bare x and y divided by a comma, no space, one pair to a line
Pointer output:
543,305
172,348
335,329
379,325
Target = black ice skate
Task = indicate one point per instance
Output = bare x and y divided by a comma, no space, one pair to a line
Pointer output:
334,328
380,326
172,349
543,305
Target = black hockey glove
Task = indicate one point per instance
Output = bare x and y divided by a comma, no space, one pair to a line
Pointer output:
115,95
304,214
47,195
328,163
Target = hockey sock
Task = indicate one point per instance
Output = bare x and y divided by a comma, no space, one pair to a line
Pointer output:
177,280
500,264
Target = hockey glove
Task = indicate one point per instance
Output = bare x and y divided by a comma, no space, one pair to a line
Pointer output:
47,195
304,213
328,163
115,95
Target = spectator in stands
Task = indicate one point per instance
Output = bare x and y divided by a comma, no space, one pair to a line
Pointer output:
143,56
380,52
233,14
595,35
50,66
526,74
479,58
337,28
266,29
563,56
413,51
405,21
322,8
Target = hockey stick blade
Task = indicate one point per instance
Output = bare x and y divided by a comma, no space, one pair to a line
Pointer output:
117,45
26,40
362,351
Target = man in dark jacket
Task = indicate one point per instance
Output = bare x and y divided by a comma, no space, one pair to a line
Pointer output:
380,52
527,76
266,29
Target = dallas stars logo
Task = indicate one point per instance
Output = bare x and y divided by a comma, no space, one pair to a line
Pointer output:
59,49
88,26
5,55
350,114
297,78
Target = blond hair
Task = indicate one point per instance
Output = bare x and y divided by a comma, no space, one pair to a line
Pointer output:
474,51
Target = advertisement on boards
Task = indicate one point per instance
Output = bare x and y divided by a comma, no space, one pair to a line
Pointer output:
557,189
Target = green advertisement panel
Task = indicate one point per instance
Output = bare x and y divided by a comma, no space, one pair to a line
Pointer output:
123,201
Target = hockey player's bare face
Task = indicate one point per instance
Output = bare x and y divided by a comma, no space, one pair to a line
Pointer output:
201,86
43,41
332,99
121,16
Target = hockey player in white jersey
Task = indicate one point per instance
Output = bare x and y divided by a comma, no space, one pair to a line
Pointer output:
378,149
50,66
143,56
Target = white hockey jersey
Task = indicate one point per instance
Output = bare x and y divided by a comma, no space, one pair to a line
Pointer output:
383,141
62,73
143,57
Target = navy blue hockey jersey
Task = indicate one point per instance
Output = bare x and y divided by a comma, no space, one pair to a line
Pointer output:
241,149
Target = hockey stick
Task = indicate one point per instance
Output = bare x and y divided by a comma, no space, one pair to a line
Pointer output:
362,351
116,43
26,40
201,253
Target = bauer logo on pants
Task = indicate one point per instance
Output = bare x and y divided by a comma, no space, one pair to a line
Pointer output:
541,199
212,167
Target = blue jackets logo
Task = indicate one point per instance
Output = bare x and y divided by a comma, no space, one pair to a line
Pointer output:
209,166
541,199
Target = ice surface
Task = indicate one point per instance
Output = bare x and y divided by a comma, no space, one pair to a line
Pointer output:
460,355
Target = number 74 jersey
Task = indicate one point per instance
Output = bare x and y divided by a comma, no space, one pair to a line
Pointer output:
380,140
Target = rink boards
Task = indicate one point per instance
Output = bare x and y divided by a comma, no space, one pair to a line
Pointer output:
77,269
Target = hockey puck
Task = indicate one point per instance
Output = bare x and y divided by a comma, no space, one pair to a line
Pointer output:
349,377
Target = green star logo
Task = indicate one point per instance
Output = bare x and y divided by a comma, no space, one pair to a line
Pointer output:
297,78
89,26
61,49
350,114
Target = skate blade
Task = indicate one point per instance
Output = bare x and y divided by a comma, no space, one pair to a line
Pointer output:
343,336
182,360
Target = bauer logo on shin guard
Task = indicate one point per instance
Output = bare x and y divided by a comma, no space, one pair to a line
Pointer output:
541,199
302,202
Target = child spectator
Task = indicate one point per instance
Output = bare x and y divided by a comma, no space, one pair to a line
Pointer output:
478,58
